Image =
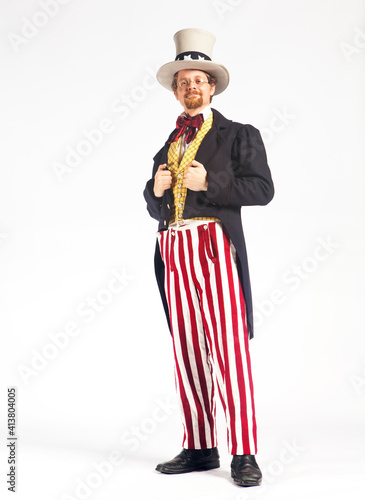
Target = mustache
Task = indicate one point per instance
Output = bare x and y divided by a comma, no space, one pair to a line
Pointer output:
193,93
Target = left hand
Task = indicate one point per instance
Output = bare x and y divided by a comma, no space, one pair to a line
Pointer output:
195,177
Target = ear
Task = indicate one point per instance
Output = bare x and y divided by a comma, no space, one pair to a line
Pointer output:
212,90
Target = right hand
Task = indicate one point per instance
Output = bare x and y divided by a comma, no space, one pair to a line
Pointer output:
163,181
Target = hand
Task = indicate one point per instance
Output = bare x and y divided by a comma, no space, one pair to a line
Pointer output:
163,181
195,177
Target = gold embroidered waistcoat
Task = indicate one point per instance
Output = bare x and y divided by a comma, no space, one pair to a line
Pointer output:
177,168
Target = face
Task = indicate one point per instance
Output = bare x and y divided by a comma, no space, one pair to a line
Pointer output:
192,97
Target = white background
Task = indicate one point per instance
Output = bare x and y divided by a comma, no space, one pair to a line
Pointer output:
297,74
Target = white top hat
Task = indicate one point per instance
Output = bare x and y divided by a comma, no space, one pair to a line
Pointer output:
194,49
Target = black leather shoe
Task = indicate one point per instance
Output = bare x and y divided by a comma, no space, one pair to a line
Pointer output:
191,460
245,471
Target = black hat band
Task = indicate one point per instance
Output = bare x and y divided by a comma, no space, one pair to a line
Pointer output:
196,56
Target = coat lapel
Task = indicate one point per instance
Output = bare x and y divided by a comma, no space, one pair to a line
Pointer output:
214,139
211,143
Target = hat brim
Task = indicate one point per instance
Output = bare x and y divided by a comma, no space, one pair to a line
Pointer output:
166,73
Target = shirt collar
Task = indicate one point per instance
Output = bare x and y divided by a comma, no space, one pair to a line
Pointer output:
206,112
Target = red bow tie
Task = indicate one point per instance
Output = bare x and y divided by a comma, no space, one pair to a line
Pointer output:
188,124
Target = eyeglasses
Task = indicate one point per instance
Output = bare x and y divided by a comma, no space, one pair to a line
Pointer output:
197,81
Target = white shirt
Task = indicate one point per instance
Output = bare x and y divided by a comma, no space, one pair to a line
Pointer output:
182,140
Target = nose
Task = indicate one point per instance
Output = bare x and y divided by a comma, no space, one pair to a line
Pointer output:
192,85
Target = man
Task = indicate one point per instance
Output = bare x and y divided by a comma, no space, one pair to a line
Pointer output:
207,170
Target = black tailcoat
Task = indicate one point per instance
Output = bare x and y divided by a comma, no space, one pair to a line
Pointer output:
238,174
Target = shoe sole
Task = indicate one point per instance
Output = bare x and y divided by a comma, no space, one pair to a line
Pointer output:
211,465
246,482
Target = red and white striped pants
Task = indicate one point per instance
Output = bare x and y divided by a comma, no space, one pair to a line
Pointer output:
210,337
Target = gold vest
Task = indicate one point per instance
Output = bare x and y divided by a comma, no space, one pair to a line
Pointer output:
177,169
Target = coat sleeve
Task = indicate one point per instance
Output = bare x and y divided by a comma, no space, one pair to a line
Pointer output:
153,202
246,178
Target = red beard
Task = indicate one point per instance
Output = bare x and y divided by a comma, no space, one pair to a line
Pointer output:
195,102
